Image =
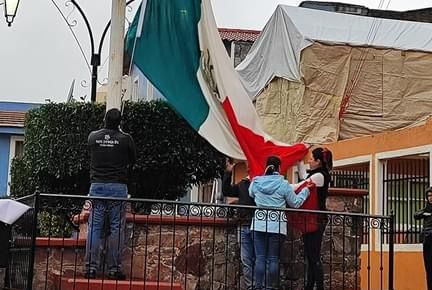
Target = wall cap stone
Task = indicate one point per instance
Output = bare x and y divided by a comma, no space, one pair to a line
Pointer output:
166,220
350,192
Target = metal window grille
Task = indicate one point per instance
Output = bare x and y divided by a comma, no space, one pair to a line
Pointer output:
404,182
353,176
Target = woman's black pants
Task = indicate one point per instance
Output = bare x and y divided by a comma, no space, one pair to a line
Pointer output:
312,247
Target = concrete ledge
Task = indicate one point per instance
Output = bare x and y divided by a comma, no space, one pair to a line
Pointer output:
59,242
353,192
166,220
104,284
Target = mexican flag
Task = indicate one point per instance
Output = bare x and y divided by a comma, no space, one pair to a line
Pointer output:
176,44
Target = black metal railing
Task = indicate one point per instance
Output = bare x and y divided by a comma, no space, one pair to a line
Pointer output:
21,237
175,245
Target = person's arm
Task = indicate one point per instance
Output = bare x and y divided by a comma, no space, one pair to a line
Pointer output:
421,214
228,189
251,189
317,179
89,140
296,200
132,151
301,169
302,174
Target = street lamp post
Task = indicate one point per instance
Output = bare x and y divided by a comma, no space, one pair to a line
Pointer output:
11,7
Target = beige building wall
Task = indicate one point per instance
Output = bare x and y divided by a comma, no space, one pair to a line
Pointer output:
388,90
101,94
409,270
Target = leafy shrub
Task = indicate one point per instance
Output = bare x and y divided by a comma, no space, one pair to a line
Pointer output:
171,155
51,225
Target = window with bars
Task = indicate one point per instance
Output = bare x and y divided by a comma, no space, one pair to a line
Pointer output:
404,181
352,176
16,150
19,148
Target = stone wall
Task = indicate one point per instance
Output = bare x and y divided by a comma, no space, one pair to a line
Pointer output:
197,256
55,261
341,247
203,253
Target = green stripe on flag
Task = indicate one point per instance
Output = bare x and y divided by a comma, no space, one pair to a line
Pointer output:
168,53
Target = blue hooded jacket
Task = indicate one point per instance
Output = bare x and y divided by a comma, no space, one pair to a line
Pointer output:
273,191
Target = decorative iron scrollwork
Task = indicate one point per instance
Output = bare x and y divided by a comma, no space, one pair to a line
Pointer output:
70,22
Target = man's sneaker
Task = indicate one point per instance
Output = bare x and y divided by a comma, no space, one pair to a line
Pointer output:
116,276
90,274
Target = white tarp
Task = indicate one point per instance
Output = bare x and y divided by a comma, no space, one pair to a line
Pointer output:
277,51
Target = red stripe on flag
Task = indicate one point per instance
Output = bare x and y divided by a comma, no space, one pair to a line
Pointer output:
256,149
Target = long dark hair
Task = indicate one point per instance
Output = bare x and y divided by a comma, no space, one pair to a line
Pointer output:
325,156
272,165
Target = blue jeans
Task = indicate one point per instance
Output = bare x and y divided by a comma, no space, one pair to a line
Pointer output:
113,213
247,255
267,250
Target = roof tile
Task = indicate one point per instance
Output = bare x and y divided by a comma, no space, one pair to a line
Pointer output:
238,34
11,119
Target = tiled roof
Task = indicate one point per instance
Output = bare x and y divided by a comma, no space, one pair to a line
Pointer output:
238,34
11,119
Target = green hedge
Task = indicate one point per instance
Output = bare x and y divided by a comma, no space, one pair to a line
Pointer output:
171,155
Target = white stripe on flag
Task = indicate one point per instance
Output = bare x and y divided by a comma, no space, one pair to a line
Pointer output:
216,127
227,79
141,18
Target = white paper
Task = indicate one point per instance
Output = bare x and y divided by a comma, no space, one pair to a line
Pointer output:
11,210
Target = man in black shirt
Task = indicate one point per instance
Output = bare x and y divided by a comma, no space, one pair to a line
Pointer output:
241,191
112,152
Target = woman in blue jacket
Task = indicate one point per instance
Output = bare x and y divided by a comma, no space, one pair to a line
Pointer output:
269,226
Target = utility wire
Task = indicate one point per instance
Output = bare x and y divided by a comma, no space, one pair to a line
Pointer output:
370,38
372,31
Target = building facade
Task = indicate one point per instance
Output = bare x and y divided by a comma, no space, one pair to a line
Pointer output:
11,138
419,15
394,166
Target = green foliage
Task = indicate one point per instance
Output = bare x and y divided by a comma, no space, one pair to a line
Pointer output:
171,155
22,182
51,225
56,158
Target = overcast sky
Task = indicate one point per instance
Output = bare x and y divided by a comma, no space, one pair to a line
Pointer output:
39,57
